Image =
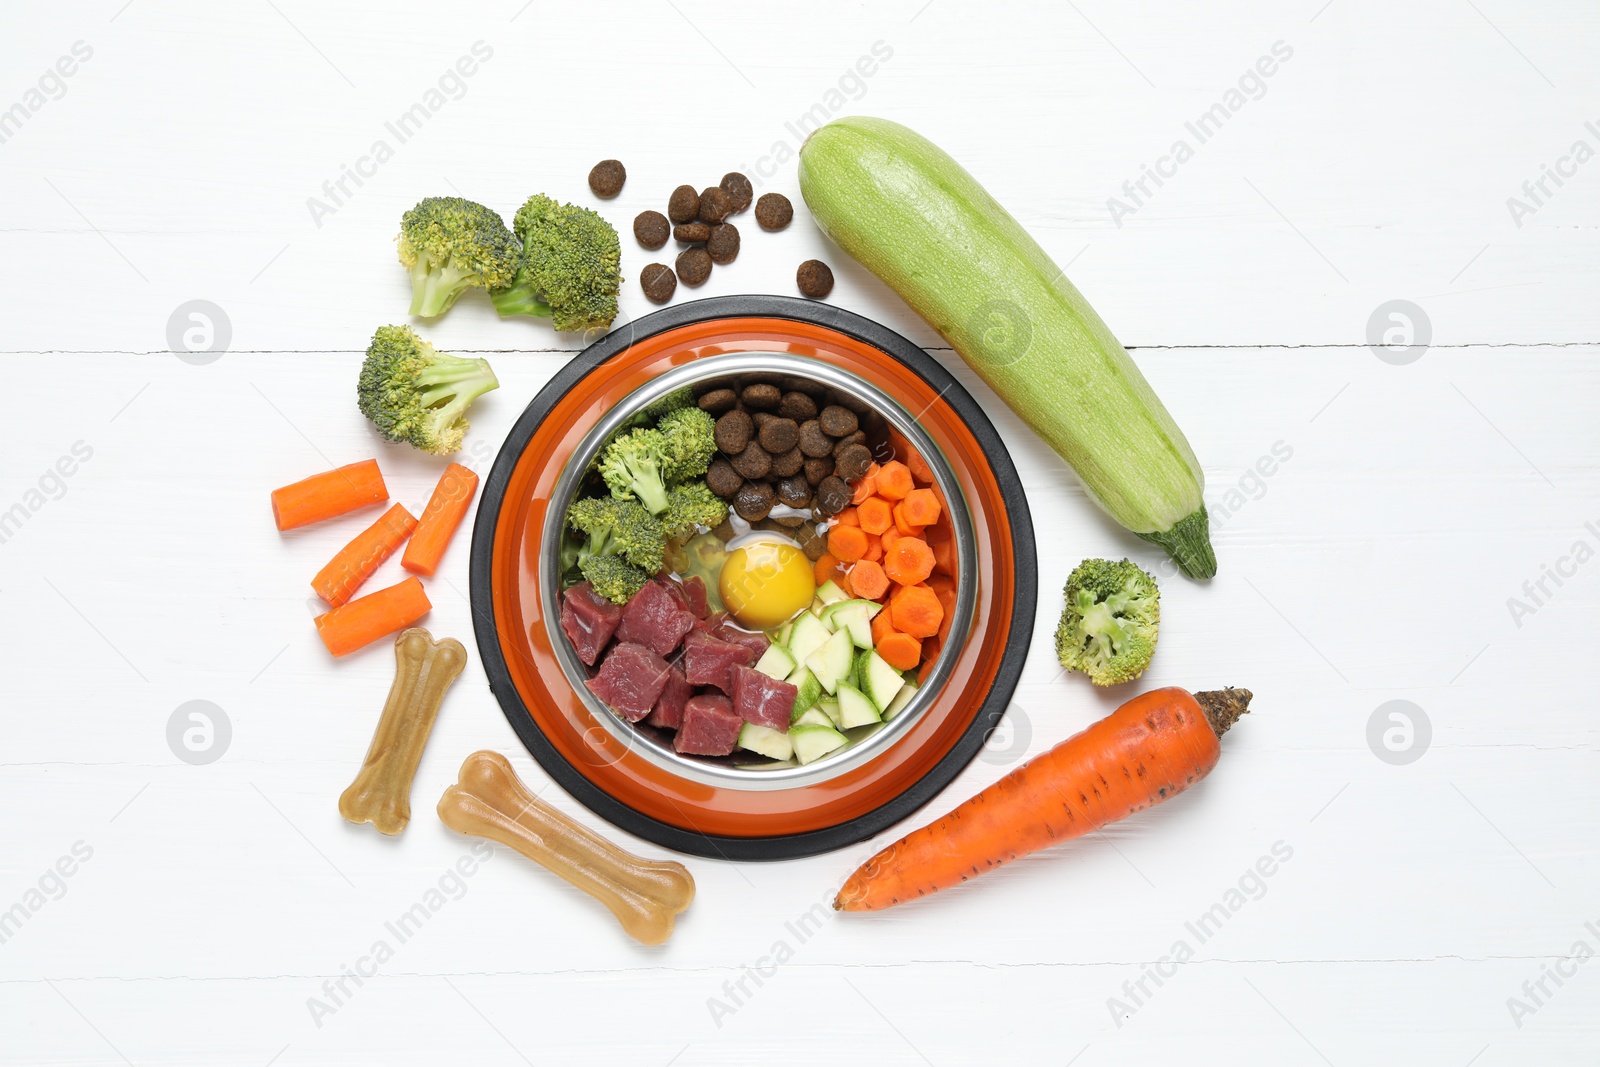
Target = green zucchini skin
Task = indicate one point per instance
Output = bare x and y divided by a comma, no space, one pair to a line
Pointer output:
914,217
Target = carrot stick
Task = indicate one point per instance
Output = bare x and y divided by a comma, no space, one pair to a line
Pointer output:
446,508
365,619
355,562
1150,749
329,494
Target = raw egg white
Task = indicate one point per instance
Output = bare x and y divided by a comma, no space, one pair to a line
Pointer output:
766,583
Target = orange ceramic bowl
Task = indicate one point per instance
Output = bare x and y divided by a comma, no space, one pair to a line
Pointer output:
580,745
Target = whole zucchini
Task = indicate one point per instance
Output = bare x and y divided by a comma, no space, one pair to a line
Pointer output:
910,214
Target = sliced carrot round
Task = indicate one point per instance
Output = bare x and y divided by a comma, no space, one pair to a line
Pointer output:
848,543
910,561
868,580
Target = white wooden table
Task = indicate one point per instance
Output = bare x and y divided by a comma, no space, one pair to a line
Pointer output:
1421,900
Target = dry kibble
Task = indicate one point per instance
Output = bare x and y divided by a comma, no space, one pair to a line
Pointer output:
490,801
814,279
755,501
788,464
719,401
754,463
722,243
715,205
726,532
791,522
852,462
778,435
795,492
838,421
738,188
651,229
761,396
833,495
692,233
817,470
773,211
723,480
684,204
814,441
658,283
797,406
857,438
423,670
606,179
733,432
813,544
694,267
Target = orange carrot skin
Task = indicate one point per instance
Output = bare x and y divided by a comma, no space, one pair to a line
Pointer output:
1150,749
356,561
365,619
446,508
329,494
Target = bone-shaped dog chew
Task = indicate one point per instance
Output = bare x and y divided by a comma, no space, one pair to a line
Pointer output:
424,669
489,800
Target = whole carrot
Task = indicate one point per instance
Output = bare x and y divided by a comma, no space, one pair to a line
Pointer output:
1153,747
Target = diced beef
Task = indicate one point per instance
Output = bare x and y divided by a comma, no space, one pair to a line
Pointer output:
588,620
674,590
707,661
653,619
762,699
709,623
668,712
695,592
756,643
631,680
710,726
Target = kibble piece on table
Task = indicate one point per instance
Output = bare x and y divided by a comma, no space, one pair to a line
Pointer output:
814,279
732,432
692,233
773,211
715,205
606,179
684,204
719,401
789,463
651,229
738,188
753,463
722,243
694,266
658,283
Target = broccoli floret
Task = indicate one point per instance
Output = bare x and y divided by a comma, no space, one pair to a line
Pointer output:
1108,630
451,245
613,577
569,270
691,442
692,505
415,394
635,465
619,528
651,413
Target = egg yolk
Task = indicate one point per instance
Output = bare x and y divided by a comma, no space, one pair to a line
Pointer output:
766,584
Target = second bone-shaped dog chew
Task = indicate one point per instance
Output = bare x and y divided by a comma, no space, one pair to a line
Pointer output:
489,800
423,670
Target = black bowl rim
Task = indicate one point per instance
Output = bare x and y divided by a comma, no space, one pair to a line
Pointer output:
784,846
